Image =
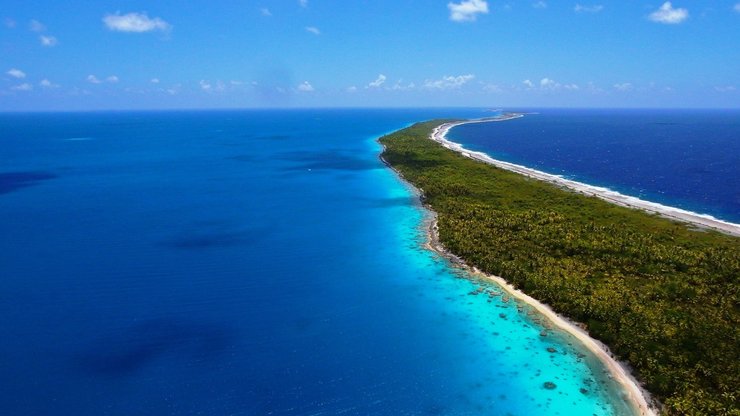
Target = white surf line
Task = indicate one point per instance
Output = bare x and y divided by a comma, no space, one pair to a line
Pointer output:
701,220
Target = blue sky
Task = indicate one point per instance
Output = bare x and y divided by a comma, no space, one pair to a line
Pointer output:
88,55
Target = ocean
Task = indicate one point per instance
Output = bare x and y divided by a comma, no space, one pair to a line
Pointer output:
688,159
251,263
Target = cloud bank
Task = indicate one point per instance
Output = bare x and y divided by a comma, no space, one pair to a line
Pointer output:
588,9
48,84
16,73
467,10
48,40
669,15
378,82
448,82
135,23
305,86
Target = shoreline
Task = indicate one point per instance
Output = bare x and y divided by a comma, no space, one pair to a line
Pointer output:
677,214
641,401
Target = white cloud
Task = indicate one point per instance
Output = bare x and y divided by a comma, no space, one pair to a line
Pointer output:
265,11
313,30
588,9
174,90
48,40
492,88
737,7
625,86
593,88
303,3
154,80
467,10
23,87
398,86
236,83
727,88
95,80
352,89
305,87
547,83
378,82
48,84
207,86
36,26
539,5
668,15
552,85
135,23
448,82
16,73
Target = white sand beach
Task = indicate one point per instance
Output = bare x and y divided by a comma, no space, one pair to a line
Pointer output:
640,399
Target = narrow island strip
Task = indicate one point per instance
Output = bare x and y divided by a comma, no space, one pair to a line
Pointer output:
655,293
439,134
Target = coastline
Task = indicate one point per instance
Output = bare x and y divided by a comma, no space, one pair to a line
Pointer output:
641,401
699,220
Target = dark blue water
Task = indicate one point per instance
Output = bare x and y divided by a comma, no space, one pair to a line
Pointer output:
684,158
248,263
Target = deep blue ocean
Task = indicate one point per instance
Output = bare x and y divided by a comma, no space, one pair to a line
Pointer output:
250,263
683,158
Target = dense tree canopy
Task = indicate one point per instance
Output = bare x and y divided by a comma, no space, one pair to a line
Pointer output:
661,294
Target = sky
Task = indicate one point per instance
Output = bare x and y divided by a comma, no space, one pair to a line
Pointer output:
171,54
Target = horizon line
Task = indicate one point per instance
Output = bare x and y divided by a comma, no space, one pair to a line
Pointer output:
490,108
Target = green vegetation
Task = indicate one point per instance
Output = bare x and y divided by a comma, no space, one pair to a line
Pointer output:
664,297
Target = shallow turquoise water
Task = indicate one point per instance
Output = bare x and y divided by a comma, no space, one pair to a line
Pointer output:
249,263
